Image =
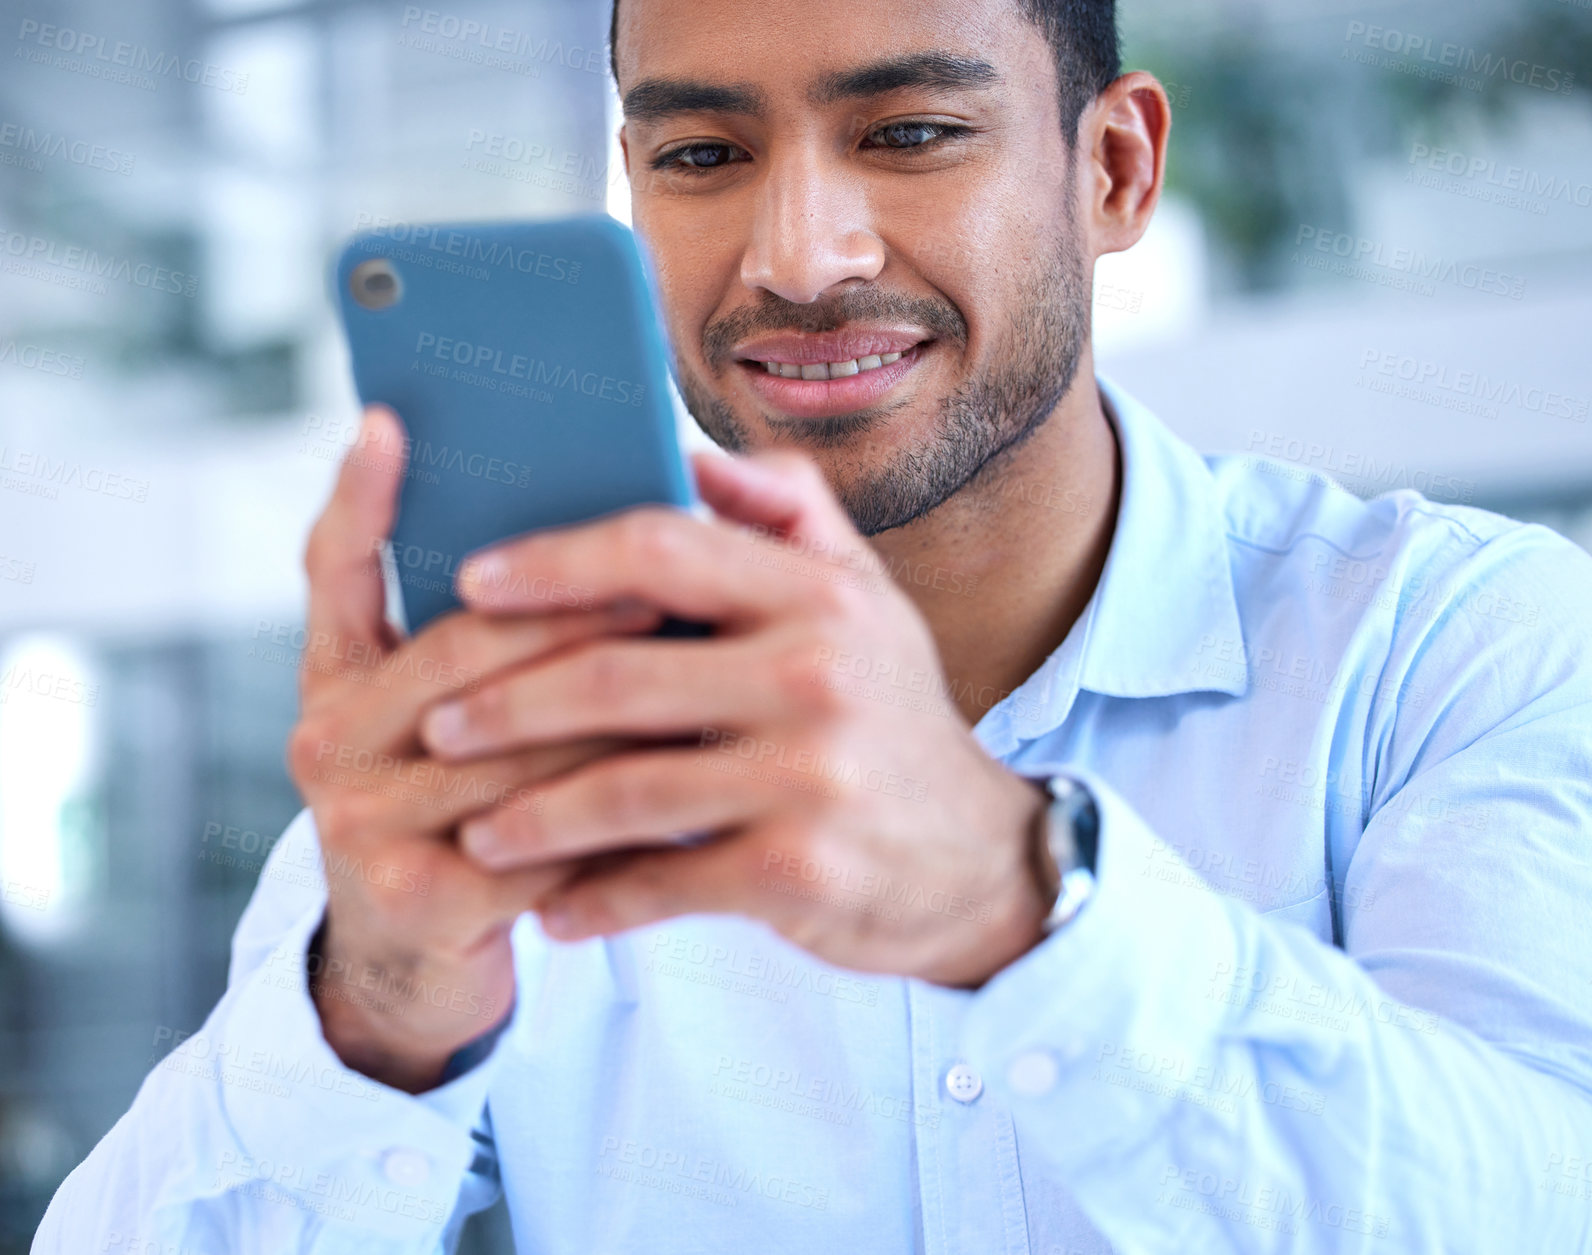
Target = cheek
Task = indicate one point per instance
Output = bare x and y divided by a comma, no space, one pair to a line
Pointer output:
974,244
695,269
963,222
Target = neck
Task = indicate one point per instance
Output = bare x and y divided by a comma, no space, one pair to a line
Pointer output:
1003,569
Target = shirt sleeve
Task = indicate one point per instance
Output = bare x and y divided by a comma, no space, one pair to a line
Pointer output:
1205,1078
251,1136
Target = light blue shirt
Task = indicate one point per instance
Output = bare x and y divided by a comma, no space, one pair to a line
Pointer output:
1334,991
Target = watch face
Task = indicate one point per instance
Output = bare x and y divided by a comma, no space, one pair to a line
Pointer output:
1077,887
1086,831
1072,834
1076,805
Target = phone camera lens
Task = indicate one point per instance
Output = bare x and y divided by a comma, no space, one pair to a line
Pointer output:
375,284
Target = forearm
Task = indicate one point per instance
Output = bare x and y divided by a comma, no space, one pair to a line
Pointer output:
247,1142
1221,1081
253,1136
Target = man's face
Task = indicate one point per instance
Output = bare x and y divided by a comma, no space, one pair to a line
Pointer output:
825,185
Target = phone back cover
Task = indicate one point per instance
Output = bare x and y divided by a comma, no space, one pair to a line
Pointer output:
526,363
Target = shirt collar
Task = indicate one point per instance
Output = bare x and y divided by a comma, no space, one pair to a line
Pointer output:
1164,617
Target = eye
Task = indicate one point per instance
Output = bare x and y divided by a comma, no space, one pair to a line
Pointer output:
694,158
908,135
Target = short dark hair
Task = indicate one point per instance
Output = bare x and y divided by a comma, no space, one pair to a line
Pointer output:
1083,40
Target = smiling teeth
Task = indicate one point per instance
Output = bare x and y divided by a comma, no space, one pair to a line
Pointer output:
830,370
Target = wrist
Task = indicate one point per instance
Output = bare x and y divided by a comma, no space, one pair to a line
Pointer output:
1015,925
365,1033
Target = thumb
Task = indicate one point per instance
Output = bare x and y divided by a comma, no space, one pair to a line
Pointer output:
346,598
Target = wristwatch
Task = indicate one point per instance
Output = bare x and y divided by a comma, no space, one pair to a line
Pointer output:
1070,838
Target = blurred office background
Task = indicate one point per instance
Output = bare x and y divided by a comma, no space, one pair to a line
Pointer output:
171,413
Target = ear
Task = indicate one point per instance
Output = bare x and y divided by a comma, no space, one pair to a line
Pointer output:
624,149
1122,137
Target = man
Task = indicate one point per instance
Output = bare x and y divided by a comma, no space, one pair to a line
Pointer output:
1108,848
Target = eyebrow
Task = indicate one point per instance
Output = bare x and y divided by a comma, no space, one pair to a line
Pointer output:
656,98
914,69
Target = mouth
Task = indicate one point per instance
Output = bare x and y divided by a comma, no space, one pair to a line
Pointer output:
827,375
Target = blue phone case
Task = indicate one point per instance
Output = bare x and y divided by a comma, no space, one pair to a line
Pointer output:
526,362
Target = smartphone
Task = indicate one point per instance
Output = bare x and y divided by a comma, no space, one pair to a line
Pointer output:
527,364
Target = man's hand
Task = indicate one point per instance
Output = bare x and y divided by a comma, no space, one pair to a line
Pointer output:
812,735
414,952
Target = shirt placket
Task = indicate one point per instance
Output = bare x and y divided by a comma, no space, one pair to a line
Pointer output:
969,1188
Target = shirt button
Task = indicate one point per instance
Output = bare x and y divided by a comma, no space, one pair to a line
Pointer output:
963,1084
1032,1074
406,1167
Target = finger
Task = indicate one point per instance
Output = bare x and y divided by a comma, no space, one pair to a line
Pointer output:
701,569
405,795
638,688
722,877
781,491
418,867
432,888
647,797
459,652
346,596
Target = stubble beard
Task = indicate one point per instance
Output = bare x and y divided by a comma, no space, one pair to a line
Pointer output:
1030,370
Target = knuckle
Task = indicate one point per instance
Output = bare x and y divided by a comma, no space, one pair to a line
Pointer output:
843,602
315,549
650,538
519,826
822,844
490,711
394,889
799,681
832,604
388,906
627,797
449,641
825,809
342,816
306,746
789,847
321,548
423,865
810,478
795,466
604,677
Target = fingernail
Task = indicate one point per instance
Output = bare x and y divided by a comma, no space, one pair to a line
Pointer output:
479,838
447,726
368,428
483,573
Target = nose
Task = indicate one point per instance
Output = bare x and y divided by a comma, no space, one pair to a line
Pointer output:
810,232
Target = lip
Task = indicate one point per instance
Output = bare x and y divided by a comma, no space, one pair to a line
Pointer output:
847,344
829,398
